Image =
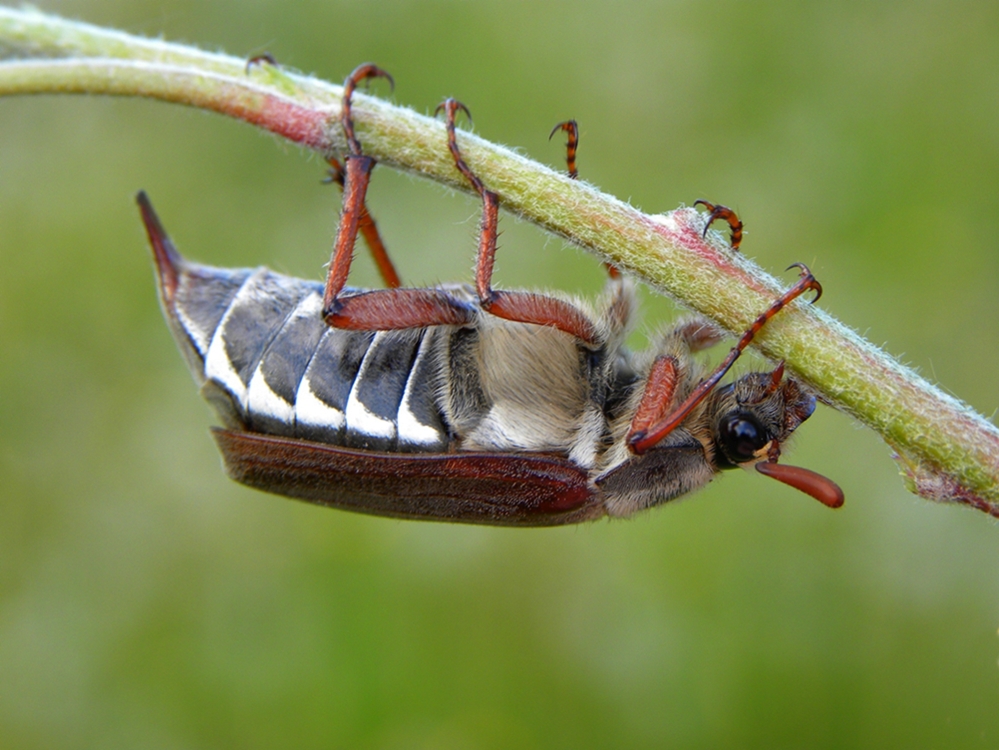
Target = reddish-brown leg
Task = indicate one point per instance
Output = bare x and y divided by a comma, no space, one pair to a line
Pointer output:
383,309
360,73
571,128
640,440
367,227
660,386
726,213
357,176
657,398
520,307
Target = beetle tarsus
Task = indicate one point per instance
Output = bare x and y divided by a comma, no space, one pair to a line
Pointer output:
360,73
571,128
451,107
808,281
716,211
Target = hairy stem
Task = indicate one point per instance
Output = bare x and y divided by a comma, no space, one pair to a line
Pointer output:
946,450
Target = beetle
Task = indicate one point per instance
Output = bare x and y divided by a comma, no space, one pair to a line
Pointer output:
466,403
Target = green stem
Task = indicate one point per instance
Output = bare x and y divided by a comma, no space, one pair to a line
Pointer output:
947,451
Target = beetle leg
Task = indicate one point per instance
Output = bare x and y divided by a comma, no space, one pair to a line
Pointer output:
383,309
360,73
775,379
571,128
726,213
694,334
356,177
618,308
520,307
640,440
657,398
358,174
367,227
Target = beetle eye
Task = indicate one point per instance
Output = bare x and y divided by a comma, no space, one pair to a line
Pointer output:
741,435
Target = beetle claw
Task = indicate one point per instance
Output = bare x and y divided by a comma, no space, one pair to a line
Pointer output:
810,282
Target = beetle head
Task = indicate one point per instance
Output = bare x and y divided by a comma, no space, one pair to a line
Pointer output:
753,417
755,413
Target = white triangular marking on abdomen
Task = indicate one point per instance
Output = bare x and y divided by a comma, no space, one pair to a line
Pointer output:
359,418
218,366
411,429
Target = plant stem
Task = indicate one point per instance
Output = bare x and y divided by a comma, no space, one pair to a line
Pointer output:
947,452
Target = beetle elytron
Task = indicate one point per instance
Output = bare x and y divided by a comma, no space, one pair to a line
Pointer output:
462,403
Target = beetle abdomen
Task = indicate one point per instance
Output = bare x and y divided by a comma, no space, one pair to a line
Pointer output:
258,341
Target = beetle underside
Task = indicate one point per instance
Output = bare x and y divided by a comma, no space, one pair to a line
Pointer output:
465,403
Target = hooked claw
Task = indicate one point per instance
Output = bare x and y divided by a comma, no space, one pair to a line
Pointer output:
569,126
451,107
365,71
717,211
807,281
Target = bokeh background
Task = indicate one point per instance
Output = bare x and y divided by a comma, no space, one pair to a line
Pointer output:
147,601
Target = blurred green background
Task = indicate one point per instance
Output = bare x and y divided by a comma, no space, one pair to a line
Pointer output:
147,601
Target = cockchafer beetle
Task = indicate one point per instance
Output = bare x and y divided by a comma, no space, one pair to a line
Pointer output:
462,403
